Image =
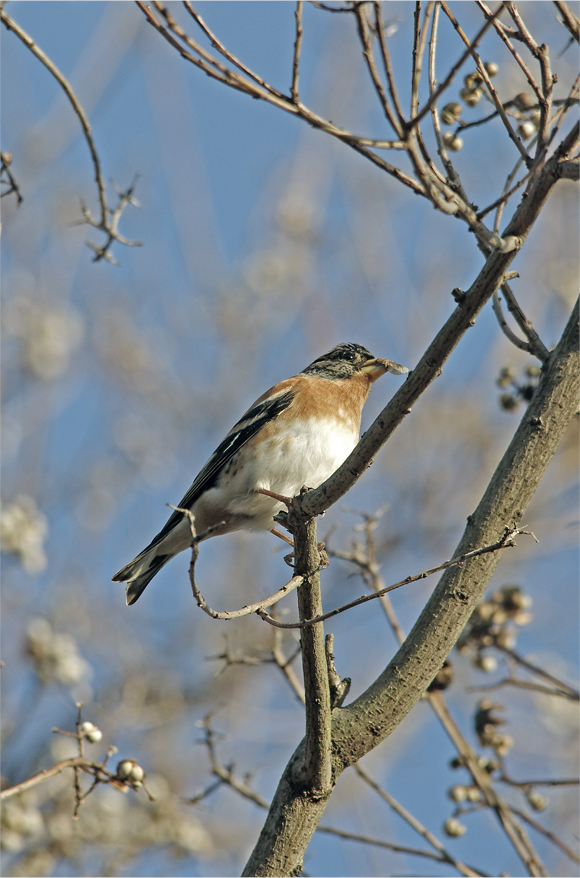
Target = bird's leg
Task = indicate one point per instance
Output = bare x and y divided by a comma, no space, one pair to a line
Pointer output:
279,497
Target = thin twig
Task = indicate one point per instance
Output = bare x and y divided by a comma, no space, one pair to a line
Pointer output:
106,225
547,834
485,77
451,75
201,601
396,848
569,20
542,55
523,684
363,31
285,665
540,672
211,67
399,125
224,773
368,565
507,541
419,43
504,326
6,158
415,824
535,344
555,782
452,174
514,831
217,44
297,47
502,31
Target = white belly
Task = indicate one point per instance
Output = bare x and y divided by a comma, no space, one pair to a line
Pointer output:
307,456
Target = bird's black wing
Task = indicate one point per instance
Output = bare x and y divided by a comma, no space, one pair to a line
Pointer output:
259,415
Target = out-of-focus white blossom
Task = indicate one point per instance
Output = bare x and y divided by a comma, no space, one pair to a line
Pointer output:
23,530
19,822
55,656
49,334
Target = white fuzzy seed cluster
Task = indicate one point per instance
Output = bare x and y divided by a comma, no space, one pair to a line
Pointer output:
56,657
23,531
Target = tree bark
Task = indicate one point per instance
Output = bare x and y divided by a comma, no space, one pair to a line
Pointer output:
359,727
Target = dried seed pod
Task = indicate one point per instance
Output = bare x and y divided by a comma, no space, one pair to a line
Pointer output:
450,113
525,100
471,96
508,402
526,129
137,774
125,767
537,801
454,828
458,793
452,141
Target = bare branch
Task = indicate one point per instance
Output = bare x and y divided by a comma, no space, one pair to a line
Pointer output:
396,848
522,684
216,43
451,75
540,672
415,824
6,158
485,76
481,777
399,126
419,43
547,834
109,226
569,20
507,541
221,73
297,46
316,773
503,32
452,174
535,344
507,331
541,53
570,170
363,31
284,664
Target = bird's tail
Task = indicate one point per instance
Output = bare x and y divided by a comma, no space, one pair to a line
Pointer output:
139,573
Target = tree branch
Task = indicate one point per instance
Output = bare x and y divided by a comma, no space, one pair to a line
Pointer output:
360,726
507,540
315,776
109,226
432,361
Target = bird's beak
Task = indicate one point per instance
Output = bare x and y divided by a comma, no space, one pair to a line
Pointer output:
378,366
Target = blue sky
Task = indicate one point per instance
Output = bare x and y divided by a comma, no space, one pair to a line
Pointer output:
216,170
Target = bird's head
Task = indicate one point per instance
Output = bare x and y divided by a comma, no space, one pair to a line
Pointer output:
345,360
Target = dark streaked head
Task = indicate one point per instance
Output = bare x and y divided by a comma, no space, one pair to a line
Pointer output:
345,360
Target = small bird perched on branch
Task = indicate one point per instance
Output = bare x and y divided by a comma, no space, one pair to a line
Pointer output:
297,433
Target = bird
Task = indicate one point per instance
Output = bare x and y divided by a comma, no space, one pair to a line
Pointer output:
296,434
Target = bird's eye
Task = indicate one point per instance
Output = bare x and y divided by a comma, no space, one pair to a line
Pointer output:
350,355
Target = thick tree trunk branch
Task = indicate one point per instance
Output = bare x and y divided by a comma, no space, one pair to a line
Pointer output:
316,773
366,722
429,367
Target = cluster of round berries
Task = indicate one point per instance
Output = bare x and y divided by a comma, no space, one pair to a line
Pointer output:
471,95
524,106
